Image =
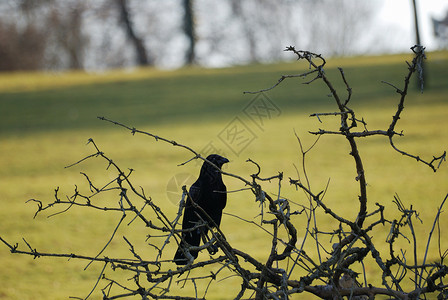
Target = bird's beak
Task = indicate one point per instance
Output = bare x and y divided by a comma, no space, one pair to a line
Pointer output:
223,160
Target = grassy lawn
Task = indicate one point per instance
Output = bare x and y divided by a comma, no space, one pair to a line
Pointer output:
46,120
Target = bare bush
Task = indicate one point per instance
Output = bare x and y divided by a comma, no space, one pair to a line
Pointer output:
345,248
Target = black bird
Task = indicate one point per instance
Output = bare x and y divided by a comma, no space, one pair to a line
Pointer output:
209,193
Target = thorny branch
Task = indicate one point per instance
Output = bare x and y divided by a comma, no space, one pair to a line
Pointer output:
290,266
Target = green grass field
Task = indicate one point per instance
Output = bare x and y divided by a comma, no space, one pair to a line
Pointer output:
46,120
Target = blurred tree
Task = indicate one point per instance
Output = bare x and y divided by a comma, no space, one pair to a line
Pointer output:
43,34
336,34
65,26
21,49
247,28
440,28
22,42
140,48
81,34
189,29
263,25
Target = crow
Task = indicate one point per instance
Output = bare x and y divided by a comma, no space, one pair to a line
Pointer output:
209,193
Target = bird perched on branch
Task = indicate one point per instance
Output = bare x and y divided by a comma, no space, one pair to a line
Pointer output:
203,209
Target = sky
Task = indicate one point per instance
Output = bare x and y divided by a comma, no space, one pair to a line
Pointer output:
396,15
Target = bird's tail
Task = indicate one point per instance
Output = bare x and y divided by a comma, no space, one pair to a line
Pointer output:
180,258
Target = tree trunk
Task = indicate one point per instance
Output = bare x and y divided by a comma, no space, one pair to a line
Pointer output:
190,55
248,29
140,49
